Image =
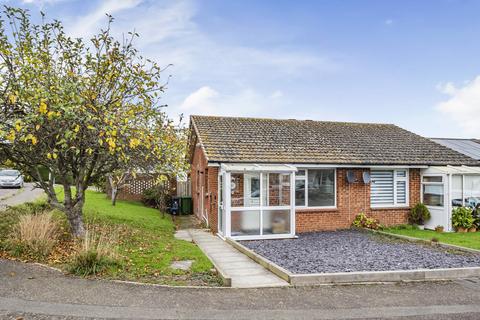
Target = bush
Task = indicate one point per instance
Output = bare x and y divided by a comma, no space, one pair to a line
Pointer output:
35,235
462,217
95,253
362,221
419,214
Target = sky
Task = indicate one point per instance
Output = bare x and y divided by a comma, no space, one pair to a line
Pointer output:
412,63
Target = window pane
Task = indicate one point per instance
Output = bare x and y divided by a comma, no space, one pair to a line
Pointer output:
300,173
432,179
381,188
245,223
321,188
245,189
300,192
278,186
457,193
276,221
401,192
433,195
472,190
401,173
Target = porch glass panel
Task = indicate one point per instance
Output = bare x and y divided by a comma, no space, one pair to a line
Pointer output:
259,203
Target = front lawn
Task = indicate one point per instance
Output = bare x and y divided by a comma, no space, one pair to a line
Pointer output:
146,244
468,240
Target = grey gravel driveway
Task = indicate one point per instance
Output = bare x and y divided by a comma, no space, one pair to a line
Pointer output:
351,250
34,292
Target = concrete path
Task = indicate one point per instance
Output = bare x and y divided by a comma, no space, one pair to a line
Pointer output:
243,271
34,292
27,194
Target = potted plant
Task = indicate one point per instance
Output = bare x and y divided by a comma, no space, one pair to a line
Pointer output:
476,219
419,215
439,229
462,218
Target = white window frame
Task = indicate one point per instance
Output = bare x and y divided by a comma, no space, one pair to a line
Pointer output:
395,180
442,183
261,208
305,178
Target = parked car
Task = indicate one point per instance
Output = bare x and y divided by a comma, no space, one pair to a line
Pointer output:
11,178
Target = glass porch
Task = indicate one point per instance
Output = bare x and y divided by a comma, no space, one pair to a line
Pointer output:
256,201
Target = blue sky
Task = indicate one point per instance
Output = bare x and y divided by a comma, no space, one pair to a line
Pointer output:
412,63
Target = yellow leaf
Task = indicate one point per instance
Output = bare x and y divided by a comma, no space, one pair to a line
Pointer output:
18,125
43,107
49,155
37,127
77,128
90,127
54,155
11,136
12,98
50,114
34,140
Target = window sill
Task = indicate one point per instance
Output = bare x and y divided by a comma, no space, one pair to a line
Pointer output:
312,209
389,208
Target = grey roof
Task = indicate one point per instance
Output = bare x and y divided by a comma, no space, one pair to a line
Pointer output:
469,147
231,139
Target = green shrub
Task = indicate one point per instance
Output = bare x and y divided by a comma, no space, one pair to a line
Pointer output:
34,235
419,214
462,217
95,253
91,262
362,221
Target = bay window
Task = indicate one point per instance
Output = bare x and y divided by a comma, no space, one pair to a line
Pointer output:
315,188
389,188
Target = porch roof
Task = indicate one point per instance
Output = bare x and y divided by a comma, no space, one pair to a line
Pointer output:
452,170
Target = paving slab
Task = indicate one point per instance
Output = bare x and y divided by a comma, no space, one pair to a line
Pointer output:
243,271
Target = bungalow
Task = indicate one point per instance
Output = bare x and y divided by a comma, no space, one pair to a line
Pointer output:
266,178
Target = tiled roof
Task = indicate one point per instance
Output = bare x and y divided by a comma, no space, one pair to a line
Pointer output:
230,139
469,147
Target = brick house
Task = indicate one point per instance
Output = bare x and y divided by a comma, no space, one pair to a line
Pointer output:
266,178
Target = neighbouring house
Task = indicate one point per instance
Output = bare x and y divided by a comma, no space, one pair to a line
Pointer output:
454,186
469,147
266,178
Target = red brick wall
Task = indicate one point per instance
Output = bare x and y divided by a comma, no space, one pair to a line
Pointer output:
207,177
353,199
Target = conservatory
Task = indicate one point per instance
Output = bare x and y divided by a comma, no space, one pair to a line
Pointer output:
444,188
256,201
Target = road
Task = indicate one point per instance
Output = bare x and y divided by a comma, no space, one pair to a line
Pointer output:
12,197
35,292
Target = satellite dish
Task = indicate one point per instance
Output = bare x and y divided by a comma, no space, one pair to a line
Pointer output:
350,176
366,177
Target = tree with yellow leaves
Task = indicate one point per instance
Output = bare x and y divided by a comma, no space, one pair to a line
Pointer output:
82,109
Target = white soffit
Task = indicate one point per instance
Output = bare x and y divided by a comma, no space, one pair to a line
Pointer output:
258,167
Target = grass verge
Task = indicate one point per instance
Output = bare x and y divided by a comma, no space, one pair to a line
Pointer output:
144,241
467,240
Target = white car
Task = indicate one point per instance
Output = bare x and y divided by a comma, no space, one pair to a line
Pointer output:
11,178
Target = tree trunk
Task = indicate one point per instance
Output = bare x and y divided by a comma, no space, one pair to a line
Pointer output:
114,195
75,219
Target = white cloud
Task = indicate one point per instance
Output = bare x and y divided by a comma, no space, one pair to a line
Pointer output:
201,100
463,105
276,94
86,26
388,22
169,34
247,102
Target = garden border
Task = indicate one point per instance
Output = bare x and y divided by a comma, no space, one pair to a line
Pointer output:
364,276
